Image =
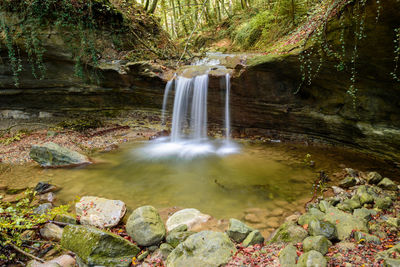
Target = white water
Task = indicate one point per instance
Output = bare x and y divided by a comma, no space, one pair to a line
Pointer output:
188,137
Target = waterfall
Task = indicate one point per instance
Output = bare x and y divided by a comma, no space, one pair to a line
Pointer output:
227,113
165,99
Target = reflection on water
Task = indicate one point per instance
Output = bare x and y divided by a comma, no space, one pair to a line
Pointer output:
259,177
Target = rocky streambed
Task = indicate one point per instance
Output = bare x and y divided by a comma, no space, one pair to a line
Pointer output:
352,223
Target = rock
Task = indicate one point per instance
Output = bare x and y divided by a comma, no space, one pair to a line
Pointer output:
348,182
43,208
44,187
288,256
253,238
349,204
389,252
34,263
366,198
28,235
327,229
351,172
98,247
53,155
374,178
166,249
360,236
65,218
206,248
289,233
391,262
64,261
383,203
345,223
319,243
312,259
143,255
50,231
237,230
99,212
393,221
190,217
324,205
145,226
174,238
47,197
387,184
364,213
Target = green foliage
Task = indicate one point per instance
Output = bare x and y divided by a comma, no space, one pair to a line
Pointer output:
81,124
15,137
396,55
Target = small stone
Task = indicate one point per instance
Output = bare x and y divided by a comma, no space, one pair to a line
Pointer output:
151,249
48,197
143,255
312,259
387,184
34,263
393,221
190,217
383,203
44,187
28,235
360,236
43,208
253,238
364,213
366,198
237,230
348,182
64,261
166,249
50,231
65,218
351,172
327,229
174,238
374,178
324,205
288,256
319,243
289,232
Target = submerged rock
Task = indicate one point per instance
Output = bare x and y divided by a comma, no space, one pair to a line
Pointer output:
237,230
145,226
288,256
100,212
53,155
206,248
190,217
311,259
97,247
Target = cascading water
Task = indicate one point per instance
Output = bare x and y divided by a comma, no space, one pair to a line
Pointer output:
188,137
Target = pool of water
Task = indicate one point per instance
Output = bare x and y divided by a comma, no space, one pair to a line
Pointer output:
261,176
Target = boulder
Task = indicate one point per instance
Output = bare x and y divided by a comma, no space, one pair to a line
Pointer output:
97,247
206,248
145,226
345,223
374,178
319,243
288,256
253,238
53,155
393,221
237,230
50,231
190,217
312,259
289,232
388,184
364,237
174,238
99,212
349,204
348,181
327,229
366,198
364,213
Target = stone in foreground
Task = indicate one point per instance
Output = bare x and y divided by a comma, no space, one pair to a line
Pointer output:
288,256
237,230
97,247
388,184
345,223
319,243
145,226
204,249
253,238
190,217
374,177
50,231
312,259
100,212
53,155
289,232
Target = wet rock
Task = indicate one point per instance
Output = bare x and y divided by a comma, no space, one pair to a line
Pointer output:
98,247
374,178
288,256
43,208
53,155
190,217
364,237
289,233
345,223
327,229
253,238
364,213
50,231
174,238
238,230
145,226
65,218
387,184
319,243
383,203
206,248
99,212
348,182
312,259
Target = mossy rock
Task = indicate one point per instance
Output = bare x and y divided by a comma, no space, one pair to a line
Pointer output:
97,247
289,232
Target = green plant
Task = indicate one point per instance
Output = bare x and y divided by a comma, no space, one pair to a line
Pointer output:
396,54
81,124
